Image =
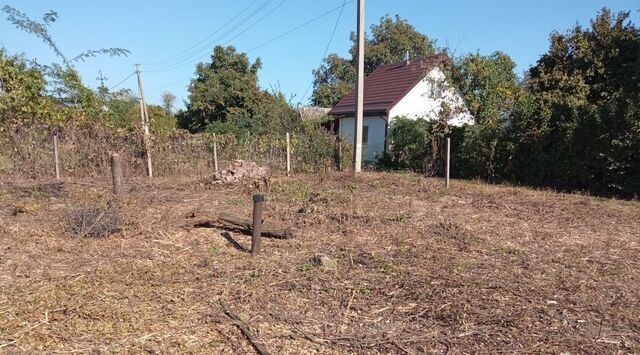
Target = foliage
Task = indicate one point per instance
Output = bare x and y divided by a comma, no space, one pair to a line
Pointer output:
41,30
491,91
32,93
21,92
581,127
416,144
168,100
225,95
224,90
388,42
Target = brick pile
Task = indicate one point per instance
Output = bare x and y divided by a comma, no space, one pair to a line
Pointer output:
239,171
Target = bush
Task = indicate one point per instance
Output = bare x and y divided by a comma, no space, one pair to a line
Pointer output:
416,144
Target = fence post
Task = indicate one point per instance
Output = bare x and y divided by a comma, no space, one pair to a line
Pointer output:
215,152
55,154
288,155
448,160
339,144
116,174
258,202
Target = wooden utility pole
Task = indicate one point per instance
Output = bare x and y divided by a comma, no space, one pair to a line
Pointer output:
359,122
144,115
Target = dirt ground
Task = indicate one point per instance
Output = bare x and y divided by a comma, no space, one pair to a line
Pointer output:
420,269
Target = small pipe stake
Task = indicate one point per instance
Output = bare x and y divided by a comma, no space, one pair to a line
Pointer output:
258,204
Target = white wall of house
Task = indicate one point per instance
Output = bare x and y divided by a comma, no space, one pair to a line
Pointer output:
374,146
426,98
423,101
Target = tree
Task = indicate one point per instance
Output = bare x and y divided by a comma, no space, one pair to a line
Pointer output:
332,81
22,87
388,42
56,91
491,90
224,90
225,98
581,127
168,99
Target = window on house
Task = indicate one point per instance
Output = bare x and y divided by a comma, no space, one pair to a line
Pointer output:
435,87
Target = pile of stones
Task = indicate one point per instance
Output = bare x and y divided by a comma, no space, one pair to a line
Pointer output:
239,171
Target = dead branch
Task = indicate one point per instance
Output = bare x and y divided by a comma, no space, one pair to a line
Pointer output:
244,328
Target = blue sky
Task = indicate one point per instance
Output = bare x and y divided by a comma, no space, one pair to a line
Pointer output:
156,30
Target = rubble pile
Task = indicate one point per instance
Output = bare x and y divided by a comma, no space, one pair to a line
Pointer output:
241,170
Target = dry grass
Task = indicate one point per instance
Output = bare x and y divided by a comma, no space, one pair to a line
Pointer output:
474,269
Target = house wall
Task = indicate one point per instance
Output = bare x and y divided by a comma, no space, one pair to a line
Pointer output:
421,101
377,133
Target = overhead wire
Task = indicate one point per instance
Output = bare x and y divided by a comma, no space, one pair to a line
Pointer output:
326,49
122,81
206,48
181,54
280,36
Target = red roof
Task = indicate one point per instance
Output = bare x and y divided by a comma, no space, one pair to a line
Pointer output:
387,85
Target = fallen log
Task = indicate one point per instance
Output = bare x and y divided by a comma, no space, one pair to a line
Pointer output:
209,219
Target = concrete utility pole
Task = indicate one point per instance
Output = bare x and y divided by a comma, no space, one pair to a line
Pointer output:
357,154
144,115
101,78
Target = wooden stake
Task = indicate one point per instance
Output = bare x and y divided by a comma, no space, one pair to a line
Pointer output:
55,155
144,114
215,152
448,160
288,155
116,174
258,203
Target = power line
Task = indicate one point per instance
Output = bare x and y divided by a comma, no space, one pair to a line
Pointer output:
325,14
187,60
169,59
284,34
122,82
326,49
256,22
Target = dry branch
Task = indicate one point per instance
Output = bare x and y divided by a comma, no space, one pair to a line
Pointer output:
244,328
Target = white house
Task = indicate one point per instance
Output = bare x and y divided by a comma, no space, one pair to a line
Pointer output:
412,89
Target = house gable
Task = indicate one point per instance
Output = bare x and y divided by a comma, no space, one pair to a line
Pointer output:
425,100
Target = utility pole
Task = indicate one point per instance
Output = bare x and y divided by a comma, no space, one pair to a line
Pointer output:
101,78
144,115
357,154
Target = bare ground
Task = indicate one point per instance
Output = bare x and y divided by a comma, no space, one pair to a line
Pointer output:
473,269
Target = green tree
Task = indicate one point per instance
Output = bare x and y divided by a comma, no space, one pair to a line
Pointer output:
225,98
224,90
491,90
581,127
22,86
55,91
387,42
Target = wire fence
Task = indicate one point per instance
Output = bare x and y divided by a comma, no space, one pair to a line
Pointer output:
85,152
